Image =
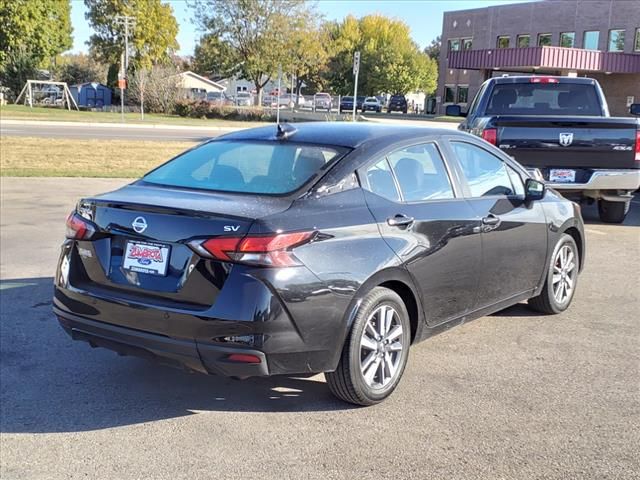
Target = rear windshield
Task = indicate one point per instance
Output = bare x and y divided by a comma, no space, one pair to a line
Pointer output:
544,99
246,167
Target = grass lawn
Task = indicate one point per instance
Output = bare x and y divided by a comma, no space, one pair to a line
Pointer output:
21,112
55,157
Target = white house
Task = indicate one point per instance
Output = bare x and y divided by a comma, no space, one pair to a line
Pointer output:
197,86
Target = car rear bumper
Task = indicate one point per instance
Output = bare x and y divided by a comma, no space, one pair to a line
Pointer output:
601,180
189,354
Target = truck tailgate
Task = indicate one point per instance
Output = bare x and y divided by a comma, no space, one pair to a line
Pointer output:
571,142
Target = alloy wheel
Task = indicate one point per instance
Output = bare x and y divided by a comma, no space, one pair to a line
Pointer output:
564,274
381,346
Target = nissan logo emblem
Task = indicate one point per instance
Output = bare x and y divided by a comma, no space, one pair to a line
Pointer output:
139,224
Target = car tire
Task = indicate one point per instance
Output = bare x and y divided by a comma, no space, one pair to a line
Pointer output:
613,212
371,365
562,273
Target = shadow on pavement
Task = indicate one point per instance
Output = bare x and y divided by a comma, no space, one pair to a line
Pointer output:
51,383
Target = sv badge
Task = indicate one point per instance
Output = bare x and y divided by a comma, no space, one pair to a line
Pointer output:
231,228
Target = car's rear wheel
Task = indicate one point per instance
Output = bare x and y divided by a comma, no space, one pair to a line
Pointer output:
562,277
375,352
613,212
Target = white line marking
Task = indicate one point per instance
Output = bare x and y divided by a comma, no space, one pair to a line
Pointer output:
597,232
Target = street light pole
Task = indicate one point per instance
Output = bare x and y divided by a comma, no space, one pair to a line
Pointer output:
127,21
356,70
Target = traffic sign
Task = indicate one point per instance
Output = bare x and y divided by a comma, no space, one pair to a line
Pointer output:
356,63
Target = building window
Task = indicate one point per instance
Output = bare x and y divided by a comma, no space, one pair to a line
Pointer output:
636,44
567,39
544,39
449,94
591,39
503,41
454,44
467,43
463,94
616,40
523,41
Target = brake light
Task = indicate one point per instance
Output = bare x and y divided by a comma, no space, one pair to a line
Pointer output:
490,135
78,228
544,80
244,358
638,146
267,251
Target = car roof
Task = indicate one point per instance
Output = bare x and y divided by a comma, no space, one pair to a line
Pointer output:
527,79
340,134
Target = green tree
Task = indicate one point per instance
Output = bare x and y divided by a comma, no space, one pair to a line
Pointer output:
152,39
19,66
79,68
41,28
309,53
254,34
433,49
390,61
212,57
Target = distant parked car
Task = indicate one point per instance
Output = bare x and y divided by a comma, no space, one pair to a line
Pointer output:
322,101
244,99
219,98
346,104
397,103
371,104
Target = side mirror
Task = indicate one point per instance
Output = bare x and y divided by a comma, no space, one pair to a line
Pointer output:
453,111
634,109
533,190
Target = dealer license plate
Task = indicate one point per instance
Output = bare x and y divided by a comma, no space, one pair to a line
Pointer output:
143,257
562,175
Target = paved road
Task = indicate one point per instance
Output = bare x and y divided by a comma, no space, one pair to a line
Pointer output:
119,132
137,132
510,396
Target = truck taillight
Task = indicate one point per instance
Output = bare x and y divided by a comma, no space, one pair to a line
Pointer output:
544,80
266,251
638,146
78,228
490,135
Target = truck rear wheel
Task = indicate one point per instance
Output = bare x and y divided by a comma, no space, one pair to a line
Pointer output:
613,212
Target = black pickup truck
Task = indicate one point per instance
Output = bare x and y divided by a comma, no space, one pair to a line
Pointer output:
559,128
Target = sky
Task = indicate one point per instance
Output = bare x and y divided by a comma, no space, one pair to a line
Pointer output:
424,17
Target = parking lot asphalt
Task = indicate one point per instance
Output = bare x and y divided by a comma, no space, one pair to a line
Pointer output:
512,395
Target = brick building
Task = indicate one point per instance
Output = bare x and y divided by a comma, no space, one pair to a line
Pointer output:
593,38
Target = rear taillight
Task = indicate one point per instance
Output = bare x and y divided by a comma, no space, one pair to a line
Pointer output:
638,146
78,228
490,135
244,358
544,80
267,251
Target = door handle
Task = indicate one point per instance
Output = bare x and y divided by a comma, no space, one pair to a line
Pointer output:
400,221
491,220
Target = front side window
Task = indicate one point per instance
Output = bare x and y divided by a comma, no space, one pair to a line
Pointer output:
523,41
616,41
516,181
591,40
544,39
467,43
486,174
463,94
503,41
449,94
381,181
421,173
246,166
567,39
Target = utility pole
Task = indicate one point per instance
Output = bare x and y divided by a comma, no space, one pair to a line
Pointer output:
127,21
356,70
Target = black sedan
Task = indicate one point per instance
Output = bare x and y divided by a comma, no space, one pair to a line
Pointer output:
324,247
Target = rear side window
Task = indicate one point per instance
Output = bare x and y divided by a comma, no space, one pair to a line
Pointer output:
421,173
486,174
381,181
544,99
246,167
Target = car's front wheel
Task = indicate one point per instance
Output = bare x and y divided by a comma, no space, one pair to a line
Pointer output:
375,352
562,277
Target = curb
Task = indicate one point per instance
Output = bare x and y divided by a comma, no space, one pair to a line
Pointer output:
49,123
